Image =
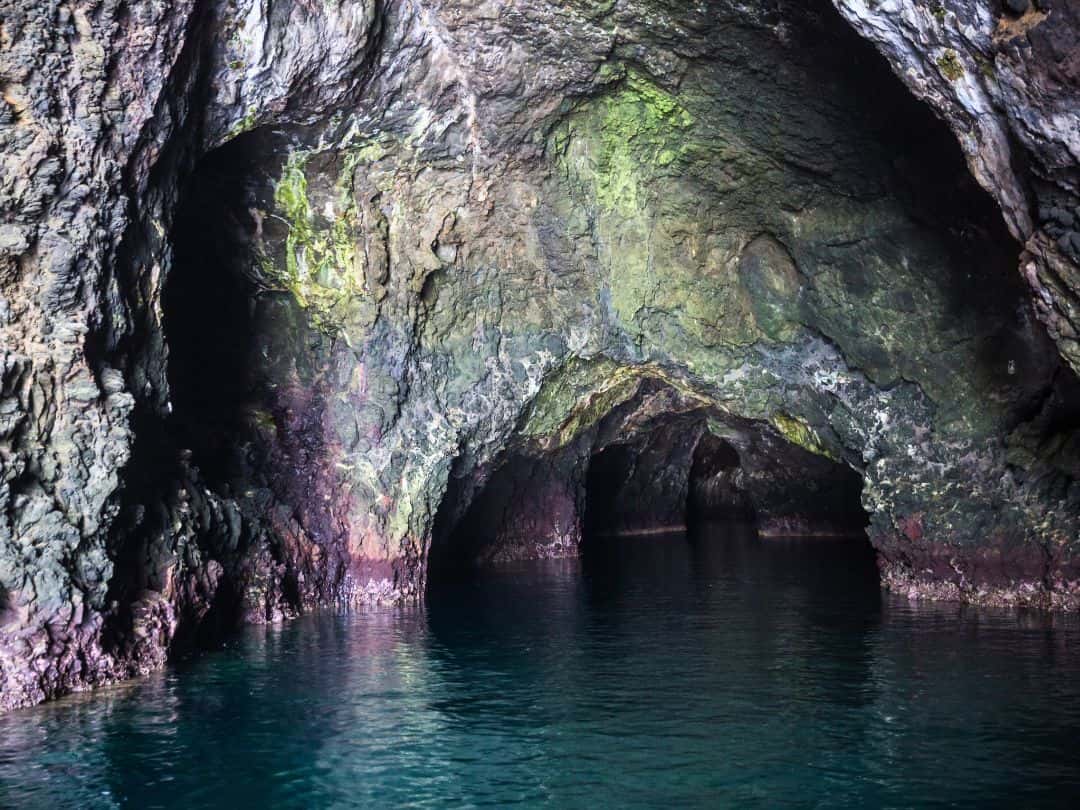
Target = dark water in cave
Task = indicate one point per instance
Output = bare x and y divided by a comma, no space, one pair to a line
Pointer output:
663,671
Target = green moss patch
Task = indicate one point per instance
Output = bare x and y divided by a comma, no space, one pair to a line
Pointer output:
799,433
950,66
319,266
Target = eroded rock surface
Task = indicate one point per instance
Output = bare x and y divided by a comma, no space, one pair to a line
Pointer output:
1006,78
292,289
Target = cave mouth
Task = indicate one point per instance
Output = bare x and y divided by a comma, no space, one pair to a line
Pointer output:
646,472
202,446
232,334
692,469
208,307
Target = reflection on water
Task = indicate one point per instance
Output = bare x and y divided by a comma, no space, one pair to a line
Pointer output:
659,671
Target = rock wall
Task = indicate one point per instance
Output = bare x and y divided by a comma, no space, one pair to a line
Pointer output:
1005,76
432,236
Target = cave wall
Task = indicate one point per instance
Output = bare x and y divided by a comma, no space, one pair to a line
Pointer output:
1005,77
469,228
110,541
526,507
88,105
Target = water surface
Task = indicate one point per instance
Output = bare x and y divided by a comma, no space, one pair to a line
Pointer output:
716,670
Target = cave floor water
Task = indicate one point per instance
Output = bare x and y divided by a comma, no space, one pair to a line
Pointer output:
711,670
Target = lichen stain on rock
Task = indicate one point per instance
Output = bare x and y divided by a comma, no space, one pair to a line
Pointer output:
320,265
1010,27
950,66
800,434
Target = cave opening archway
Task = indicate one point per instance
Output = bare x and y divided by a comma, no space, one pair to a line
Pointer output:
193,436
658,465
215,306
207,307
548,501
252,363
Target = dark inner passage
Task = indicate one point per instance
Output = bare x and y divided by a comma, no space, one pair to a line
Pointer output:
694,469
246,420
181,462
209,304
651,467
714,481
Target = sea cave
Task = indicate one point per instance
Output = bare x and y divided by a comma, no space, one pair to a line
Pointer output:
499,378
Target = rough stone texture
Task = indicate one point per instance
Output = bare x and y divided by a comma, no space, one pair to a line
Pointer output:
84,87
275,276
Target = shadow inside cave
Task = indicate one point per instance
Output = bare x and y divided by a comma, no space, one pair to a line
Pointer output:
657,466
212,440
210,303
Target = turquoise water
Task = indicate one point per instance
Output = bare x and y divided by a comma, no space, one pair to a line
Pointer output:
714,671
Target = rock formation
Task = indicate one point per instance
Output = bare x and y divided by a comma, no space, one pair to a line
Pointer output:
294,293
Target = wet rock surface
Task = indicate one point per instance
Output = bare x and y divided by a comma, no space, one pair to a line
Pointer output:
293,293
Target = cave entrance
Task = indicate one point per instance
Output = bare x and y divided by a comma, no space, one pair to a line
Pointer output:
695,468
208,304
656,466
248,367
195,448
232,337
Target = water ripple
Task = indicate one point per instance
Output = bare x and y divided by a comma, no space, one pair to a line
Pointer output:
705,671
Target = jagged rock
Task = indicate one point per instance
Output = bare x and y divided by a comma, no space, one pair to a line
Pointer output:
290,290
